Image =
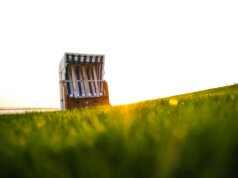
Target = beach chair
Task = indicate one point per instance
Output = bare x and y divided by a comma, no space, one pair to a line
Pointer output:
81,81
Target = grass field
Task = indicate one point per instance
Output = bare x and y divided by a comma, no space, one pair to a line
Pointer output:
192,135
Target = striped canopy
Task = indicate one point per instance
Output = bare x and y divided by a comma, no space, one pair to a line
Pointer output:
82,58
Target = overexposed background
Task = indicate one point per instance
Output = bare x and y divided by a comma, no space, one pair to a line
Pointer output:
153,48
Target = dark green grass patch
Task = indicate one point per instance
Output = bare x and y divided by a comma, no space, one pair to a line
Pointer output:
190,136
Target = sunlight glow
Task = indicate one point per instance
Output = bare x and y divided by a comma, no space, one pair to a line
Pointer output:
152,49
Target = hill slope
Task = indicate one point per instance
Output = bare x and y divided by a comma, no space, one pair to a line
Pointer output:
230,89
192,135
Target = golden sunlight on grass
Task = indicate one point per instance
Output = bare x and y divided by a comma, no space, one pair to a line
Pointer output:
173,102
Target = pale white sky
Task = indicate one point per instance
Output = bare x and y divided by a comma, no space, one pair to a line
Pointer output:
153,48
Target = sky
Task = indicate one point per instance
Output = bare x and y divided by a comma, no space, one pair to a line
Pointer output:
152,48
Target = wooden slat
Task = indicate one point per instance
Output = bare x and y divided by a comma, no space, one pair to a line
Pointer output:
95,80
91,78
82,81
100,77
79,81
85,78
74,78
70,80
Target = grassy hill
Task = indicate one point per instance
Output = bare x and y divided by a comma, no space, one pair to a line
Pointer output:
190,135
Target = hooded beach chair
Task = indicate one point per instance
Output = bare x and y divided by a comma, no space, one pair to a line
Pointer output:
81,81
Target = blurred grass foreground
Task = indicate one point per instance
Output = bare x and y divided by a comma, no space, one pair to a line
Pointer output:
191,135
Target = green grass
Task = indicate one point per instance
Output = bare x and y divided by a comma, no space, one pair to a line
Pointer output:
193,135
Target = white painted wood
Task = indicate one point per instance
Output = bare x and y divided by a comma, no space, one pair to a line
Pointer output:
81,81
95,80
91,78
85,78
100,77
74,78
81,59
76,58
93,59
88,59
70,80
